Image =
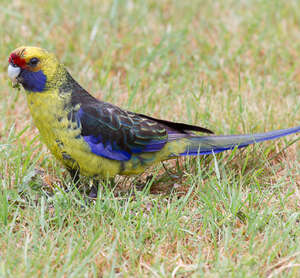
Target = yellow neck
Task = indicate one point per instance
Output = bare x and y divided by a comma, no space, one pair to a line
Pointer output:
49,116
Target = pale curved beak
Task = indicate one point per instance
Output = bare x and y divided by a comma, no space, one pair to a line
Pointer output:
13,72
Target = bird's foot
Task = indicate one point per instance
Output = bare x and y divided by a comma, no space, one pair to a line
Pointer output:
93,192
169,173
95,187
140,185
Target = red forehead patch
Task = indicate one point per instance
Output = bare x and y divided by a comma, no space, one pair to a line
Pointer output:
17,60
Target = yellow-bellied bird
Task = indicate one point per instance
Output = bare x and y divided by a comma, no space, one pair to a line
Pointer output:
95,138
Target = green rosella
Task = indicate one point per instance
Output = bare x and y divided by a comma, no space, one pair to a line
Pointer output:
96,138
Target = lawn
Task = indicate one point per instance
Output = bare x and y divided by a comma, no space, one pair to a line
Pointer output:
231,66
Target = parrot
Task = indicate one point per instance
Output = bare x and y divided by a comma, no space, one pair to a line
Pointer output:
97,139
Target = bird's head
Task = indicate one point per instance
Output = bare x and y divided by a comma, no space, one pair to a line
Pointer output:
33,67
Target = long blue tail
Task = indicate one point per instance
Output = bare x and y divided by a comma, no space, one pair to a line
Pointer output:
200,145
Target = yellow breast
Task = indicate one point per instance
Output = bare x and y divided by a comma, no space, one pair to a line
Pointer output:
62,136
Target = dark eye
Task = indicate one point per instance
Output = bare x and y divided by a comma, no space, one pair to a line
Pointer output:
33,62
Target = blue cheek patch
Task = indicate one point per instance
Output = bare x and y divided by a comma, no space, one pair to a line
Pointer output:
33,81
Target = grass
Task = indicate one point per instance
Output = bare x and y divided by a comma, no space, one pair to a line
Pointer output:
232,66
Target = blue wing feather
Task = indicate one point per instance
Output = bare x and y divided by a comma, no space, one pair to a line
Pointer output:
107,151
108,137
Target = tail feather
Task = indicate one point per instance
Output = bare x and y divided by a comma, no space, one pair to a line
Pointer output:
201,145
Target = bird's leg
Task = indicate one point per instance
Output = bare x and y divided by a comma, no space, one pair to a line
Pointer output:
140,185
168,172
94,189
74,175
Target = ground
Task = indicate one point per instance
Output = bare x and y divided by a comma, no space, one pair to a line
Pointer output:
231,66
